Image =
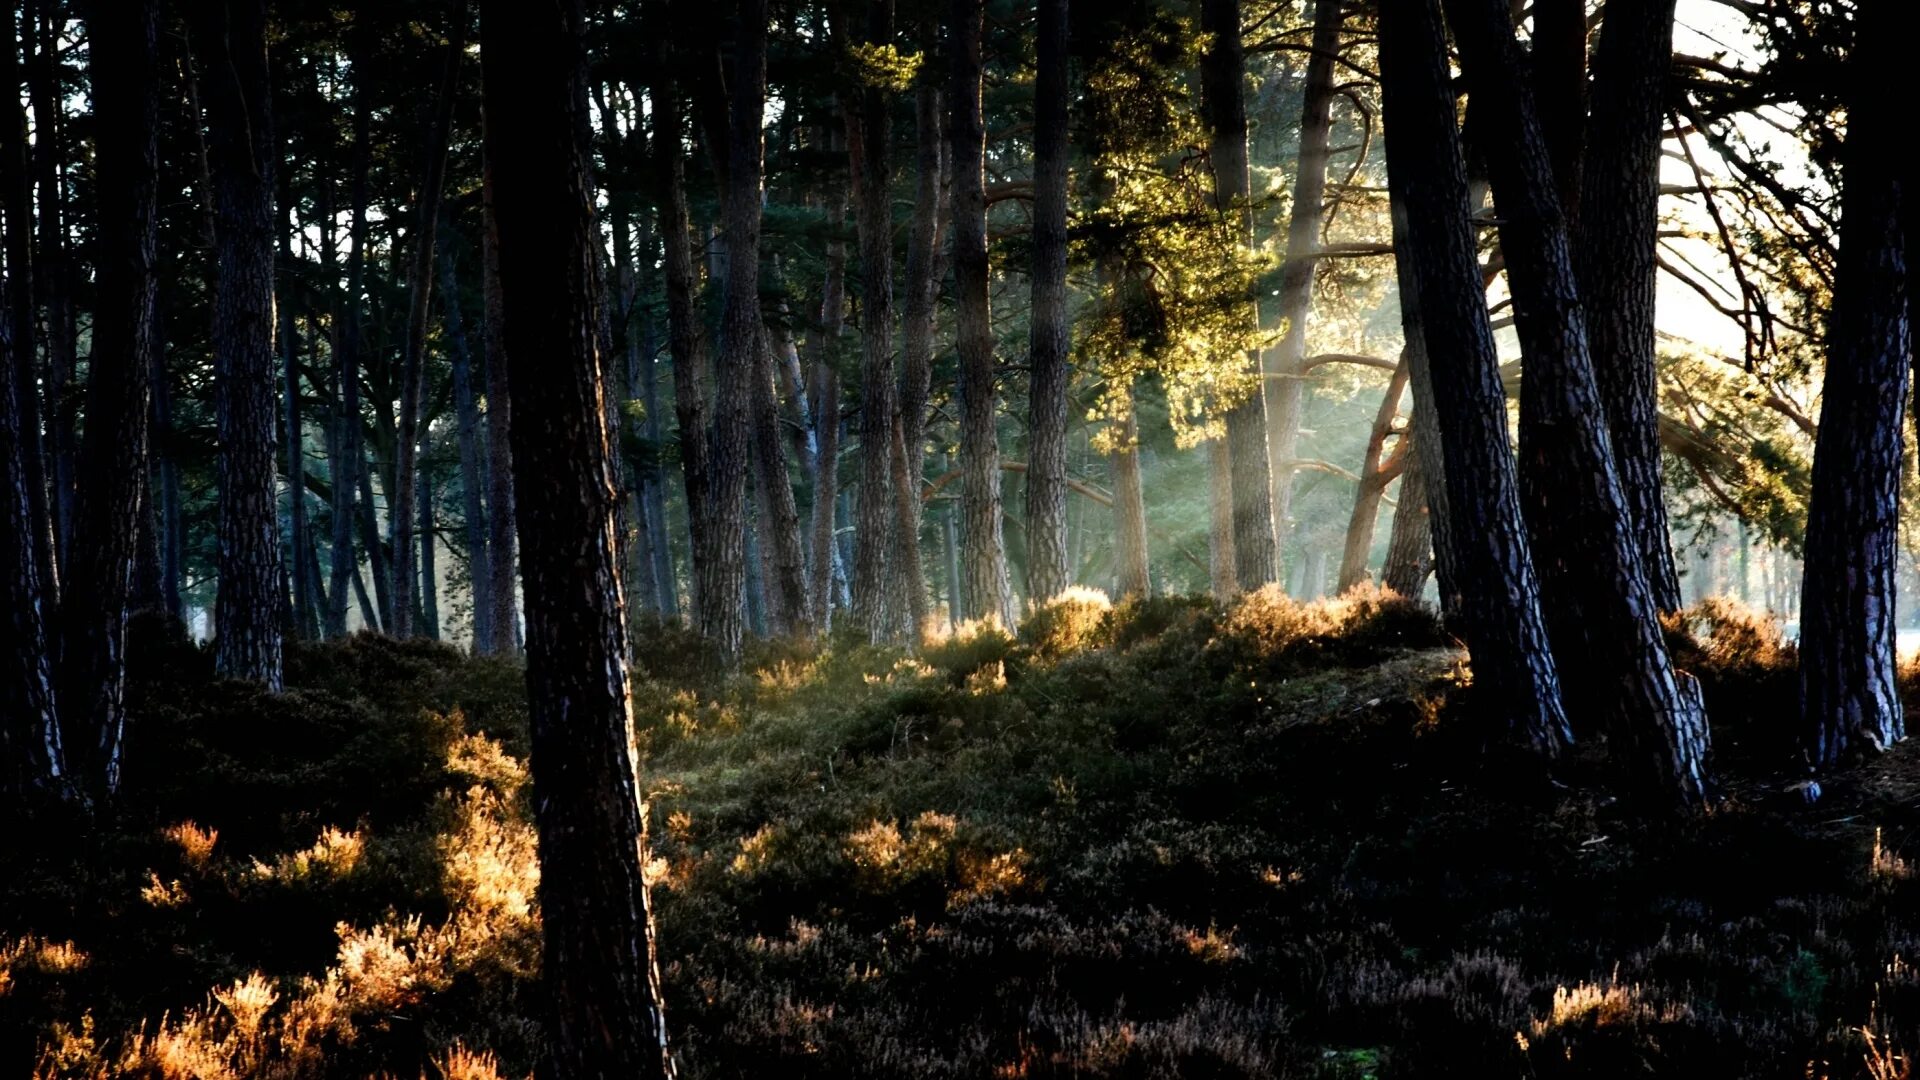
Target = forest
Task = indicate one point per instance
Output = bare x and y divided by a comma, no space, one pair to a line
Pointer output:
1113,539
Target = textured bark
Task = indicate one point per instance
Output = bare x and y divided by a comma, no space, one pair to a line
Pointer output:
1377,471
599,968
1849,694
1132,577
785,563
1048,342
1287,385
1601,612
1221,580
242,156
1615,238
502,542
346,460
466,407
916,342
413,372
869,135
724,576
1494,574
1224,111
1410,542
684,341
1559,56
986,590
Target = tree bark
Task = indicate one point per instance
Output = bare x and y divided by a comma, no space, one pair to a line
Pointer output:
413,373
1376,472
785,566
823,396
1221,561
1494,575
987,592
347,460
1049,371
1614,251
869,137
916,339
53,277
599,966
724,582
502,542
1559,53
17,176
1602,615
1285,391
1410,542
1133,577
242,155
1224,112
303,622
1849,691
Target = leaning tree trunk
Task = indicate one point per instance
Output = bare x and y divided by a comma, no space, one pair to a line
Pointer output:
1286,385
1049,371
1376,472
599,967
1494,574
986,591
1615,238
869,135
1602,615
242,156
413,372
1849,693
1224,110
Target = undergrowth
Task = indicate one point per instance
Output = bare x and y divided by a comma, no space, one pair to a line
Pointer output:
1155,839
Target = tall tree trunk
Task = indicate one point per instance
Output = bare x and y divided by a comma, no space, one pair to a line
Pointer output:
1132,574
823,396
1619,196
429,570
242,156
1222,582
30,751
53,275
1049,371
869,136
725,573
293,432
16,179
1559,53
1376,472
654,496
501,518
599,966
346,460
1605,625
1224,111
1494,571
779,518
466,407
1410,541
169,527
1849,692
988,594
684,340
413,373
1285,386
916,340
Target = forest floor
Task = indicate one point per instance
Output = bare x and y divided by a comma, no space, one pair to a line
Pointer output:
1168,840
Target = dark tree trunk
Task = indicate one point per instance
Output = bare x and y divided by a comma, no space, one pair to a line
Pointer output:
1410,541
16,179
1049,373
413,372
916,344
242,156
1377,471
429,571
377,548
600,972
303,623
466,407
501,541
1849,692
869,135
53,277
1560,88
30,752
347,459
684,340
725,573
1286,385
987,592
1224,112
1494,572
1132,575
653,491
1619,198
1605,624
169,527
823,397
785,567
